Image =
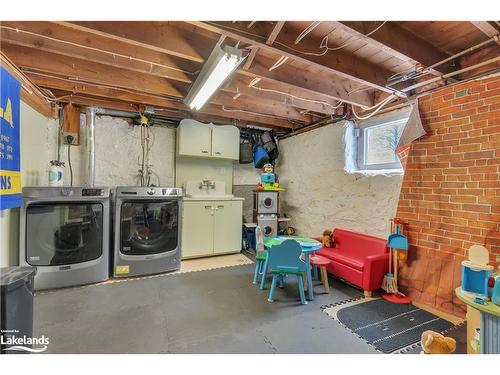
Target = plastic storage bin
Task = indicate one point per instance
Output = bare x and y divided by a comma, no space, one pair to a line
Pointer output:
16,303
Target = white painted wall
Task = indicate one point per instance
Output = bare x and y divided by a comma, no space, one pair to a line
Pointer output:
319,195
117,149
245,174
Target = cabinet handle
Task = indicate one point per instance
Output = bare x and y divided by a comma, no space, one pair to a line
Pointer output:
209,207
217,153
221,206
204,152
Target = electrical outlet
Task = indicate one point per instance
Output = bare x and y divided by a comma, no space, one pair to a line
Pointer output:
74,135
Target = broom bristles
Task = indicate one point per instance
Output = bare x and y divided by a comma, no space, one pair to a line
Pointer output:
389,284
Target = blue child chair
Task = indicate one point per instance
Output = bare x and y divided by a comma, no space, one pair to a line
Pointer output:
260,260
284,259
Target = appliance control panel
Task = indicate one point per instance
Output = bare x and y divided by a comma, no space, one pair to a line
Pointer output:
90,192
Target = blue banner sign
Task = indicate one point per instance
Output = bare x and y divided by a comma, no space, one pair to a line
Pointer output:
10,155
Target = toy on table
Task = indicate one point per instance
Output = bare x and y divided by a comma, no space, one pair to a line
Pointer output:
435,343
494,287
476,272
268,179
396,242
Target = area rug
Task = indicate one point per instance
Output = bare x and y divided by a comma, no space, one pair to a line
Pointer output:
386,326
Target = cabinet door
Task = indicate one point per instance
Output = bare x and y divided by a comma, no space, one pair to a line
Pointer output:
197,229
226,142
194,138
227,226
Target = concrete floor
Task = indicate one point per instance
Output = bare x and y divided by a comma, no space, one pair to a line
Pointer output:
215,311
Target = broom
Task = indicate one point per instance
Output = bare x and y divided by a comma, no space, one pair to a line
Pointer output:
389,283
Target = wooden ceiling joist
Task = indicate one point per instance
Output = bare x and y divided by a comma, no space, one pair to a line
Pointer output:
28,93
339,63
252,104
306,81
32,59
161,36
264,91
54,38
487,29
397,41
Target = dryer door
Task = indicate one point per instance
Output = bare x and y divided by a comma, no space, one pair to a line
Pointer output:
149,226
63,233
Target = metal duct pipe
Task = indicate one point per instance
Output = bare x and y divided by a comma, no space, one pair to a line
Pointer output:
116,113
91,112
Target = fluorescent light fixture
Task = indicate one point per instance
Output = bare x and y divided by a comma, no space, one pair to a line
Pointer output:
219,66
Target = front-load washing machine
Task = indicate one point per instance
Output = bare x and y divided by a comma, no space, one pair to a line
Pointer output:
64,233
147,224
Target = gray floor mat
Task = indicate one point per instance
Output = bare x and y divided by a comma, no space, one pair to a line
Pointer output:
387,326
215,311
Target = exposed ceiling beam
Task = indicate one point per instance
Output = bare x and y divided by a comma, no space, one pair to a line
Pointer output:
50,37
487,29
201,42
29,95
268,91
84,89
270,39
274,34
396,41
308,81
252,104
32,59
162,36
339,62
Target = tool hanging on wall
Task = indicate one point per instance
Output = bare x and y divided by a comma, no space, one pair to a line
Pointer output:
397,242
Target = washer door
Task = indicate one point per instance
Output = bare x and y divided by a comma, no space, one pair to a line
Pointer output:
63,233
149,227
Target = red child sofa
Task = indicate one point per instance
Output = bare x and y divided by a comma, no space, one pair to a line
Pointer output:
358,258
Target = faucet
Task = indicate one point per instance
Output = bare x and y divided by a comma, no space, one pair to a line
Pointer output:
207,184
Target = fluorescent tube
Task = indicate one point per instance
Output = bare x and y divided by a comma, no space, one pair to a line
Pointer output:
216,70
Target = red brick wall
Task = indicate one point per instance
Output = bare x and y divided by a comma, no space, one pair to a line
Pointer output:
450,194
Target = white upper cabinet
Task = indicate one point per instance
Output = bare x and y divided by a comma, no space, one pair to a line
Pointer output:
226,142
207,140
194,138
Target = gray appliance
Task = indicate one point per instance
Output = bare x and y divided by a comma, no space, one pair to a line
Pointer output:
269,224
147,230
64,233
266,202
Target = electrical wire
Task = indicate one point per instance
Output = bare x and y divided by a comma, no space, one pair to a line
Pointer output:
114,54
100,85
253,113
278,63
253,85
33,86
376,108
307,30
69,163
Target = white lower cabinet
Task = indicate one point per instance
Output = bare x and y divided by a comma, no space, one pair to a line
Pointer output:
211,227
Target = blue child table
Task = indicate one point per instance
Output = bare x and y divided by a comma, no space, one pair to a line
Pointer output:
308,246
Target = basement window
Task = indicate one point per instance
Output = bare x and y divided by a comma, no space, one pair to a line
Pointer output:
373,144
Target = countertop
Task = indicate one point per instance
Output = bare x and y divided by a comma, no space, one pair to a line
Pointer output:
488,307
206,199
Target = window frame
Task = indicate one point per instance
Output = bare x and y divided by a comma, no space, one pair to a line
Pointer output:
361,142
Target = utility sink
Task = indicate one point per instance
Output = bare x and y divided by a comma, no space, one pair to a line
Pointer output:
207,190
